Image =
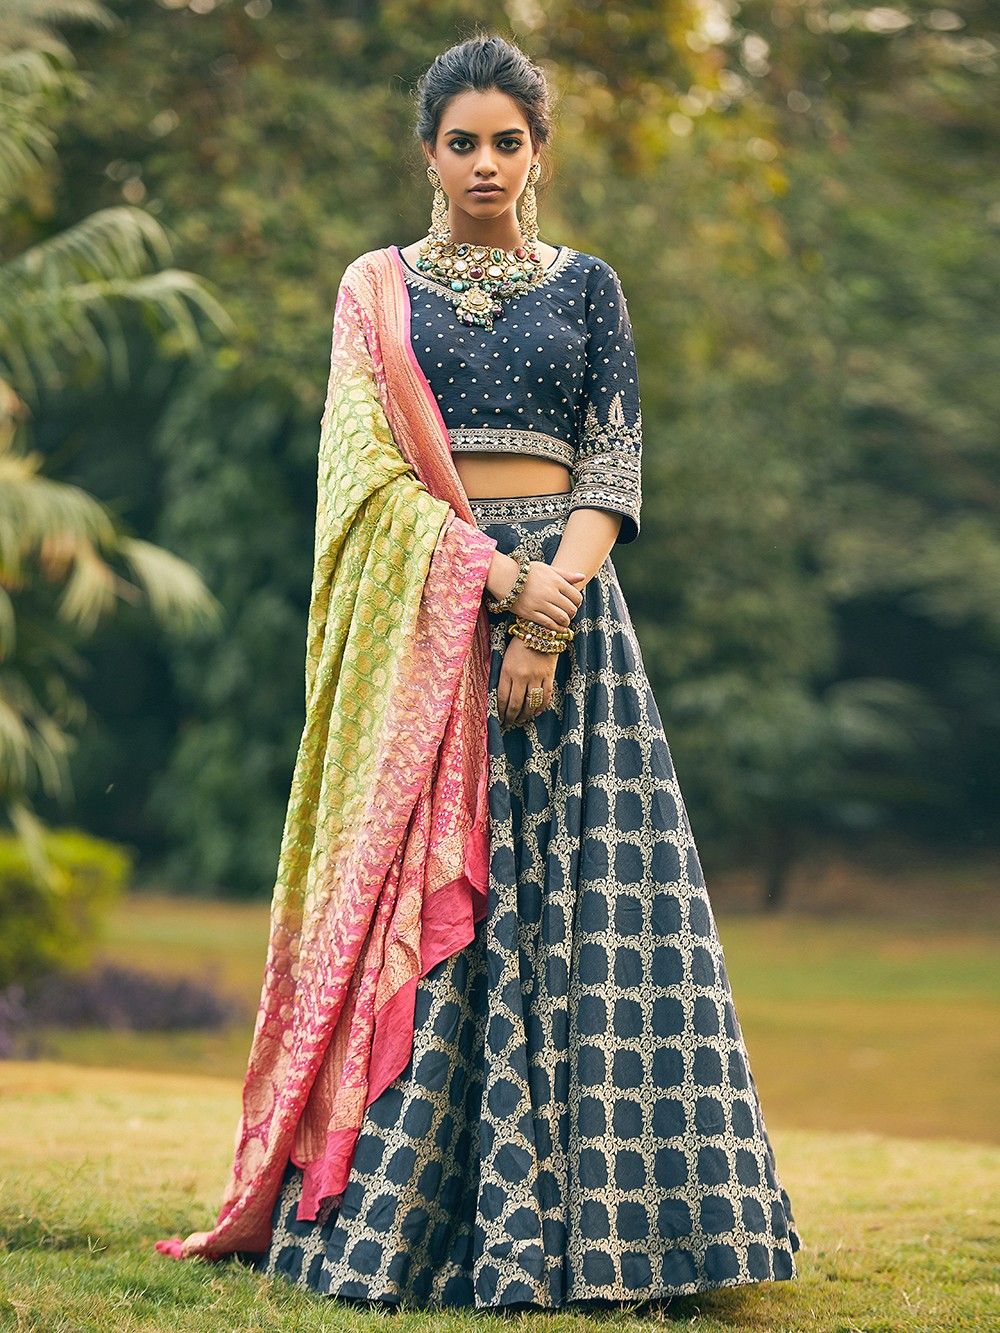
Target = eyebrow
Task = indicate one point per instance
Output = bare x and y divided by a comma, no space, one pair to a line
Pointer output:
468,133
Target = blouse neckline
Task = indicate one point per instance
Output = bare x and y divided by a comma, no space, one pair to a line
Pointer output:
436,285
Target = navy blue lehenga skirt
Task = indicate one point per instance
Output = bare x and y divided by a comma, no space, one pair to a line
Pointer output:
578,1121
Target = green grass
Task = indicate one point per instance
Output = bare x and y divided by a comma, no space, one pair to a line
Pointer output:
856,1023
898,1234
873,1042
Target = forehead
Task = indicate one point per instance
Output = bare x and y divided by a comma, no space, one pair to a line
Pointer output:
482,112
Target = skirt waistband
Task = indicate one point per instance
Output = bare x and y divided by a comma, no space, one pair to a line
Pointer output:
510,508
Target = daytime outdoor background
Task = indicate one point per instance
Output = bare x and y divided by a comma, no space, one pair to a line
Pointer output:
800,198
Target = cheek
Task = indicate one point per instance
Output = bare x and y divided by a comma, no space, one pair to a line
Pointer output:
452,171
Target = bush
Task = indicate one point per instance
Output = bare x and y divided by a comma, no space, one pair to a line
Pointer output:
110,997
13,1021
51,924
122,997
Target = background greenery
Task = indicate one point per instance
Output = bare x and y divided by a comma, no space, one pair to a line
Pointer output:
800,200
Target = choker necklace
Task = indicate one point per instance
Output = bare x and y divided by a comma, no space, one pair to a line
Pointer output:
480,276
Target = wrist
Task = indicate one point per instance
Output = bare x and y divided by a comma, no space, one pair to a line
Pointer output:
503,571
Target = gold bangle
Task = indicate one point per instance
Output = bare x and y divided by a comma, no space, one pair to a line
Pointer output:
562,632
507,601
527,631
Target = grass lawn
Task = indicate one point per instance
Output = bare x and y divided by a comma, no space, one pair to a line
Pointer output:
873,1041
898,1234
858,1023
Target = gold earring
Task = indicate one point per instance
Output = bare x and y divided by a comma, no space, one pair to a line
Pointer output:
529,206
440,231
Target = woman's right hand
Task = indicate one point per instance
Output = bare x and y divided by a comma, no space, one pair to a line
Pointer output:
548,597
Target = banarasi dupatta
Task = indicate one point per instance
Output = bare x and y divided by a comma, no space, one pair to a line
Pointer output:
383,866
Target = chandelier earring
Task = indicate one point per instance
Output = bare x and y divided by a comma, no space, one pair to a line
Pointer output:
529,206
475,278
439,231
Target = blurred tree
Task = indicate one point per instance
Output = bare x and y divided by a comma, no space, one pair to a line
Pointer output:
58,301
795,197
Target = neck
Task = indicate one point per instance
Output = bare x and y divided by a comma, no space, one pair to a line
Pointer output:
502,232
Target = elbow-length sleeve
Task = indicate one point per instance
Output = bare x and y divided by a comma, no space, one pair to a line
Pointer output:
607,473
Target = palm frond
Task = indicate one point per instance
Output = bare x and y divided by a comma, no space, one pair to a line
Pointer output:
33,746
32,23
91,589
15,741
110,243
60,531
25,146
36,67
43,320
28,71
27,79
65,295
8,624
177,595
35,510
30,832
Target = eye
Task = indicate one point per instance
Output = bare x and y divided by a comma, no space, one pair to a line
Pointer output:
514,142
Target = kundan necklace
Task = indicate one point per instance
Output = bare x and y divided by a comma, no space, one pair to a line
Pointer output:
479,277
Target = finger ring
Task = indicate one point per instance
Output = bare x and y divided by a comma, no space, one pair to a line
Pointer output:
535,697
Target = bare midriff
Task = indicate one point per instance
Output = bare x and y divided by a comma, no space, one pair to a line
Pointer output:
487,475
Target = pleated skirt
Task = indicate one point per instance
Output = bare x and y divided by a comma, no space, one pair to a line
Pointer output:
578,1121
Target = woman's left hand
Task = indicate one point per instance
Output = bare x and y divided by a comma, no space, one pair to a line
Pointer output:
522,670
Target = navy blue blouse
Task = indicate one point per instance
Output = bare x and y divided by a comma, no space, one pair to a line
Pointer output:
555,378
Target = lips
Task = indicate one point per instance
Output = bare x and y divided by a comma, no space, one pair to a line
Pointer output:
485,189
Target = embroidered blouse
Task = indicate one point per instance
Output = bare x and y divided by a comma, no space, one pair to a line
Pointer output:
556,378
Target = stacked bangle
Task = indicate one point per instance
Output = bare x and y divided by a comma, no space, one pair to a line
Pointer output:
541,637
505,603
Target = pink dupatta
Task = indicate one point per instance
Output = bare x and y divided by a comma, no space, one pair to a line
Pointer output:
383,869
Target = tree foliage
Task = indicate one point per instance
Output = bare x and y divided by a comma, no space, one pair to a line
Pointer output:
60,294
798,200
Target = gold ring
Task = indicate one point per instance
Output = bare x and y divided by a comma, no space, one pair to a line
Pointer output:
535,697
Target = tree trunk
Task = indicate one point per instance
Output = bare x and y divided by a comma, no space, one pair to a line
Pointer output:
777,869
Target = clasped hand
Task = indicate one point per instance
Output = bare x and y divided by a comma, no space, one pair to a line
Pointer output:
549,597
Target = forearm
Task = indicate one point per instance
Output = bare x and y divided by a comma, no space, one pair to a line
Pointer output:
588,536
587,539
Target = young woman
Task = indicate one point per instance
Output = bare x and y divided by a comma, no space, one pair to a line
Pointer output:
497,1060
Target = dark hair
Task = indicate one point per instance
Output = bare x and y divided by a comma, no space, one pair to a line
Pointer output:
479,64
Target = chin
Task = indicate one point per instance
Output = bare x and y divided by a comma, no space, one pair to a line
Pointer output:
498,204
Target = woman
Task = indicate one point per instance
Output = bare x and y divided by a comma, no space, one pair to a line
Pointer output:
497,1060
